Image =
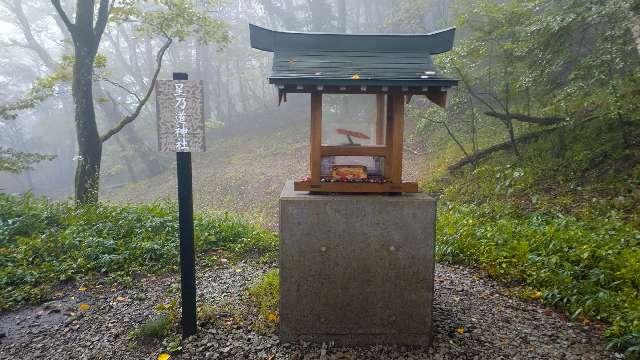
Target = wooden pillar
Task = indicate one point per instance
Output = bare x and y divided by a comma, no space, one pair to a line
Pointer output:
380,116
388,160
315,138
398,143
395,129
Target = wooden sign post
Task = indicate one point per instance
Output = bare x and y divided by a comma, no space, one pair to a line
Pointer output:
179,105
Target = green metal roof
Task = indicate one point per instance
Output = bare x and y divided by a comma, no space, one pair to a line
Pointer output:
354,60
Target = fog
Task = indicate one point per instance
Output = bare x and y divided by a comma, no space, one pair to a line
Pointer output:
34,44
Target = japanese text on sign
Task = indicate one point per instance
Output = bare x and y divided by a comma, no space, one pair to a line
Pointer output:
179,104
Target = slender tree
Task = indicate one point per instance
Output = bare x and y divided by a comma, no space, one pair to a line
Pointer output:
86,34
178,19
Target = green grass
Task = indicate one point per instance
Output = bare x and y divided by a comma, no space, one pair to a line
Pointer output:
266,295
157,328
562,220
44,243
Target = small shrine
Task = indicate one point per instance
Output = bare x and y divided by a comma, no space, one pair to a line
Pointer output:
393,68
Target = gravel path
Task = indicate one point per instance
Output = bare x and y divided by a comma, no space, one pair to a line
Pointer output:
496,326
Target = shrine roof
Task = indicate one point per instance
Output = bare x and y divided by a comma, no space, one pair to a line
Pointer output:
354,60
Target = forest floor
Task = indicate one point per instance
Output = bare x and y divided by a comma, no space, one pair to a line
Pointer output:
474,318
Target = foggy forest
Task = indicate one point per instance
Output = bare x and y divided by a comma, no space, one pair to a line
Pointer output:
532,156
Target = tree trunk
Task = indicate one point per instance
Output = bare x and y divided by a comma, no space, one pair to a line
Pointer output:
87,178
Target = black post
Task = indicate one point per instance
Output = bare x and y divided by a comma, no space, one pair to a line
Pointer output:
187,251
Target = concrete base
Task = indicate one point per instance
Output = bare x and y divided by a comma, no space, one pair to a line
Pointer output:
356,269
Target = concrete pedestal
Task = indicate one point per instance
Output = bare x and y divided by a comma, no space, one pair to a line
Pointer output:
356,269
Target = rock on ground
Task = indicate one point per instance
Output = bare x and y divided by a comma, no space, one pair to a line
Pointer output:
473,319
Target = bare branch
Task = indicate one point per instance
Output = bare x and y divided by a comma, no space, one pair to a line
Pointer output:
32,43
455,139
452,135
116,84
129,118
473,93
63,15
481,154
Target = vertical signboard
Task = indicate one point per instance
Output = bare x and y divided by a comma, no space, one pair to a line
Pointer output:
180,108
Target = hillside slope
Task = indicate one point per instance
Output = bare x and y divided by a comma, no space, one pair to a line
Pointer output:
562,222
244,170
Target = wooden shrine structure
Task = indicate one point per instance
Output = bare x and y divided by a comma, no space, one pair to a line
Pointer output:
393,67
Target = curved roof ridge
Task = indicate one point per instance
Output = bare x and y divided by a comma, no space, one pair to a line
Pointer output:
432,43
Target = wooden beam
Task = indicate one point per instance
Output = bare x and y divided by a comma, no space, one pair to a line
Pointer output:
344,187
347,150
315,138
357,89
380,115
397,130
388,161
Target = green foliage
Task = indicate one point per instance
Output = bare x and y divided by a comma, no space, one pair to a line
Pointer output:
589,267
16,162
100,61
564,220
42,89
43,243
266,295
175,19
535,54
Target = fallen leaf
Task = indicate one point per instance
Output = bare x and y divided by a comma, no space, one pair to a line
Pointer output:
82,288
536,295
272,316
84,307
460,330
120,298
164,356
355,77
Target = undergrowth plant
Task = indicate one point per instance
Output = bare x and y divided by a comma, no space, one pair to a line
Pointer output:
45,243
562,220
265,294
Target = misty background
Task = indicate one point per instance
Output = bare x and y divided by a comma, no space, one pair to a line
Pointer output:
237,94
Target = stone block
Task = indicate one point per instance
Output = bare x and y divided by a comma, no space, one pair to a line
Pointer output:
356,269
